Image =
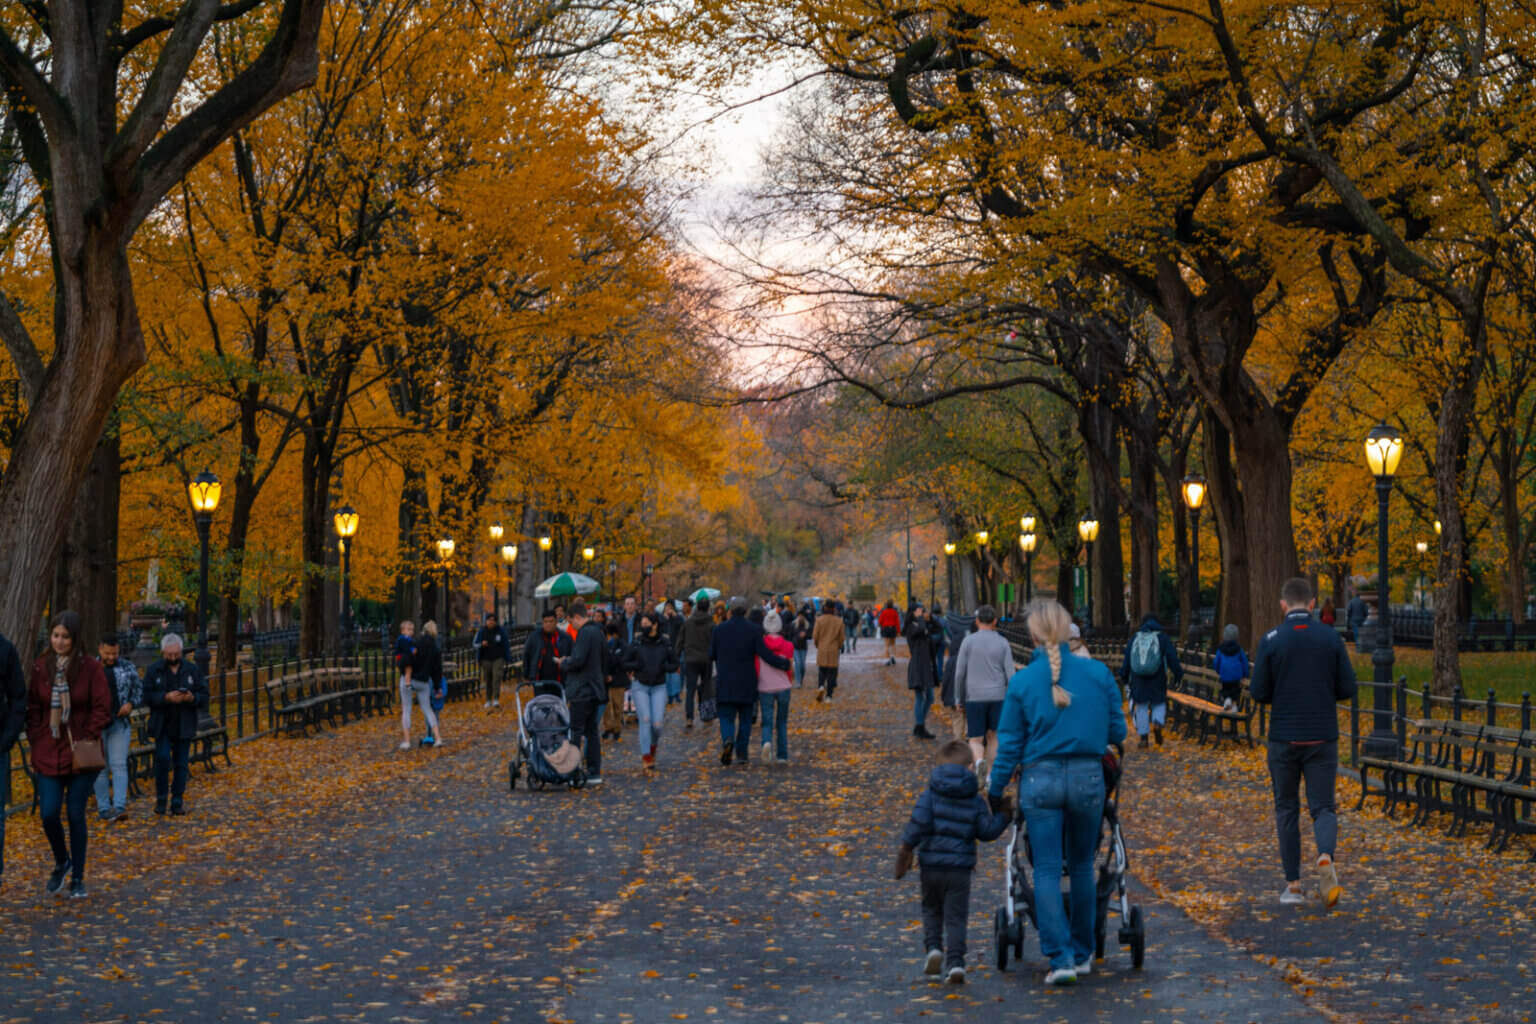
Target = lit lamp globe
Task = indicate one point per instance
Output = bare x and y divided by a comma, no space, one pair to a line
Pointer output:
546,542
1027,524
204,491
1088,529
496,532
509,553
1193,487
981,537
1422,547
1027,543
1383,451
345,522
588,554
445,548
949,547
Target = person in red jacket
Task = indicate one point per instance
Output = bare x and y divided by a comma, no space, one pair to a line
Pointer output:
890,627
67,701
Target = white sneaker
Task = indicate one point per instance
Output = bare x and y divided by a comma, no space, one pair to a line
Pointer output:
495,703
935,962
1328,881
487,705
405,745
1291,897
1086,967
956,976
767,752
1061,976
1229,705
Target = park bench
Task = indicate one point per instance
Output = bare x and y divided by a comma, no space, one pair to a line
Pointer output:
303,699
1192,711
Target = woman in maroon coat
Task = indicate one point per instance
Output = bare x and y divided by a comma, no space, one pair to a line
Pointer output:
67,700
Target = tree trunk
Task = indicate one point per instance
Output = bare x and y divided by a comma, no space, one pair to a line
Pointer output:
408,546
98,347
315,512
87,565
1102,443
1144,539
1261,449
1226,503
1452,572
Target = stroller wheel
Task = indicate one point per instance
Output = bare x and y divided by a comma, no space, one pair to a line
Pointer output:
1138,938
512,773
1000,937
579,780
1098,940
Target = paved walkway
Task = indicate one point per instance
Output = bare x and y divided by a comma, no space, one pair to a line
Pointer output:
333,879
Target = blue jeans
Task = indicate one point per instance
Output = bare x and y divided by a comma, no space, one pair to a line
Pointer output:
55,793
922,700
938,663
115,740
736,726
173,752
1063,803
1143,715
650,708
775,709
799,666
674,686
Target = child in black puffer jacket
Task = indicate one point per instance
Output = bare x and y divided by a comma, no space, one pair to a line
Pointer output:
948,819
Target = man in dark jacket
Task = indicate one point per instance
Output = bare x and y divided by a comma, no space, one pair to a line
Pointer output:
672,629
542,653
492,651
920,670
732,648
1149,657
1303,670
585,688
176,694
694,646
948,819
13,719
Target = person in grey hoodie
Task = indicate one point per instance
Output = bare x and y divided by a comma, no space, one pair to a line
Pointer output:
983,666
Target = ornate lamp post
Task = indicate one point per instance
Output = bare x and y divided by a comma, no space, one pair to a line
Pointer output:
613,580
1193,489
444,554
1383,451
204,490
1027,545
1422,547
949,572
545,543
982,536
509,558
345,523
1088,531
649,570
933,580
496,533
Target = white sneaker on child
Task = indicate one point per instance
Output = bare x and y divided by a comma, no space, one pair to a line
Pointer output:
934,963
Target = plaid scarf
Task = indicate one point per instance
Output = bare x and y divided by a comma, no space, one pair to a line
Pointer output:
58,705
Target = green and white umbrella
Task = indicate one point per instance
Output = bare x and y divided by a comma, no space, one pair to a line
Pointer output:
566,584
704,593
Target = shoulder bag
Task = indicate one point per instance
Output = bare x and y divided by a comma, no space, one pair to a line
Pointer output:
85,754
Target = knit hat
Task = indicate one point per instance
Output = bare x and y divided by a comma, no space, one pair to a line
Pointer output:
1230,634
772,623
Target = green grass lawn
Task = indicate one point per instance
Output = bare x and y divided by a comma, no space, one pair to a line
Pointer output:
1510,674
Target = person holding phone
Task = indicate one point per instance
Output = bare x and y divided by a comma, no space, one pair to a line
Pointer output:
176,694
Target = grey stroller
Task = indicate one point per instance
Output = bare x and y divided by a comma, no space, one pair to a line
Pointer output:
543,727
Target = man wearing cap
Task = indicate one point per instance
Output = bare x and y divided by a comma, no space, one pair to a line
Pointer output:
733,646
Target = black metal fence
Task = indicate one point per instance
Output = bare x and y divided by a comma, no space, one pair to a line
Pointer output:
241,697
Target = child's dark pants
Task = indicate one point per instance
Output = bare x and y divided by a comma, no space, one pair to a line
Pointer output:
946,905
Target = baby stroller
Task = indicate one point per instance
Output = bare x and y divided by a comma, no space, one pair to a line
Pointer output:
543,728
1008,923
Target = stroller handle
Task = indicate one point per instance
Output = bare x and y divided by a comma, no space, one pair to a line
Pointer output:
535,684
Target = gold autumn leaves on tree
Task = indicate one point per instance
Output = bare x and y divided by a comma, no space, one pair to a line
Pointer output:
1276,187
439,286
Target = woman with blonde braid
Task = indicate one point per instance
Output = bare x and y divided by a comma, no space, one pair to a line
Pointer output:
1060,716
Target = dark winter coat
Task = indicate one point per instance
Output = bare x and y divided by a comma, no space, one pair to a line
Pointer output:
651,658
1302,670
540,652
1152,689
176,721
733,645
798,630
614,651
584,667
496,645
697,631
948,819
938,636
920,667
90,712
429,661
13,699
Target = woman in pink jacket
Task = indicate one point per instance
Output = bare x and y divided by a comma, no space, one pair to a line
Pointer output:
773,686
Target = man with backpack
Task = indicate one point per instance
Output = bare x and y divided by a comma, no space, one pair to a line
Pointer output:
1149,657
